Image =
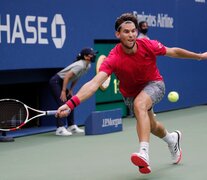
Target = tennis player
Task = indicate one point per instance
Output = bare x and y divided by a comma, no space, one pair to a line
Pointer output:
133,61
59,83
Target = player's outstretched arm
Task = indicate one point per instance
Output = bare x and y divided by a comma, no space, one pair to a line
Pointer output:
88,89
85,92
183,53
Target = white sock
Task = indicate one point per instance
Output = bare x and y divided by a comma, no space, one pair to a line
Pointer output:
168,138
144,147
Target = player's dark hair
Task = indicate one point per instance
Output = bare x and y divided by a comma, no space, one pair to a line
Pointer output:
125,17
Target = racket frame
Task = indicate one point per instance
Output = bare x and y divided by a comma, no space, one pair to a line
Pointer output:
27,119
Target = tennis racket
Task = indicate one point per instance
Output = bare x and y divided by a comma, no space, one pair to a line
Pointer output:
14,114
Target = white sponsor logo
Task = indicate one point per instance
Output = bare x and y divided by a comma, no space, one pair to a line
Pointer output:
160,20
111,122
58,41
32,30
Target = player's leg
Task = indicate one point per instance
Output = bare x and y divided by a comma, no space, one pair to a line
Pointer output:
142,103
136,158
156,91
152,93
172,139
157,128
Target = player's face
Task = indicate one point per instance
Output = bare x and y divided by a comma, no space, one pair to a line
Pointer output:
127,35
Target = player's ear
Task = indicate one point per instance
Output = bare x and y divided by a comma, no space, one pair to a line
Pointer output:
117,34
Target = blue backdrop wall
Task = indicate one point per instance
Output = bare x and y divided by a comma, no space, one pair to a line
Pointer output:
49,34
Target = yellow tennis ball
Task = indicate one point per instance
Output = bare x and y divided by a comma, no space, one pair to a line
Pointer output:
173,96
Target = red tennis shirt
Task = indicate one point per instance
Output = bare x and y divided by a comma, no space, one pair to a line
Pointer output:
134,71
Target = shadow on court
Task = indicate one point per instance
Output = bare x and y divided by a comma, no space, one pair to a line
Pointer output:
107,157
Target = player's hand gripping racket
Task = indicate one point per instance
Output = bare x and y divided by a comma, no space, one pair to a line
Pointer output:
14,114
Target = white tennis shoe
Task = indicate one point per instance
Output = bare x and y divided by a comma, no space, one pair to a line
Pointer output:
142,161
175,149
62,131
75,129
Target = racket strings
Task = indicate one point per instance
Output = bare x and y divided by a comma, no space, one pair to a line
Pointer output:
12,114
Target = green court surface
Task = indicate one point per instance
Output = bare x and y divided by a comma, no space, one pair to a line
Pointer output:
107,157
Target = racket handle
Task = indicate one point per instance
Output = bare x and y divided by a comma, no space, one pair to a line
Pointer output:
50,113
53,112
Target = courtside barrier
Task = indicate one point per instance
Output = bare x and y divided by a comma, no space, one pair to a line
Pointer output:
102,122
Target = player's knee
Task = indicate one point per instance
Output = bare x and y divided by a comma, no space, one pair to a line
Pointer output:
140,107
